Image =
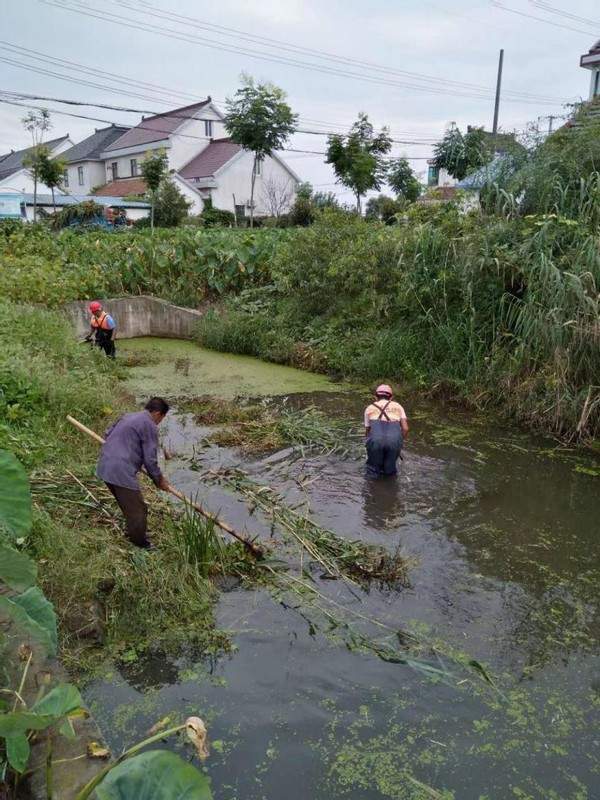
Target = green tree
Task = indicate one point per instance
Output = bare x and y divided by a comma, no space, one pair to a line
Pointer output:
37,123
358,158
259,119
154,169
461,154
51,172
402,180
171,207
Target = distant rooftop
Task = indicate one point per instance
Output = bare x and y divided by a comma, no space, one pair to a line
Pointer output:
122,187
89,149
13,162
157,127
211,159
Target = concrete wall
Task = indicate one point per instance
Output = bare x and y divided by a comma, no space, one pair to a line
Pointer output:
93,175
138,316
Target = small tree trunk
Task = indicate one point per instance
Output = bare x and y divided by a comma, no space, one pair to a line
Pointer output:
35,198
358,206
53,200
252,190
152,214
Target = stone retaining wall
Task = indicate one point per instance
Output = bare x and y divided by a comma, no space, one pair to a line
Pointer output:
139,316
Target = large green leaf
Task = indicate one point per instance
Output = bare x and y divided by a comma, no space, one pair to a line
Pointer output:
15,497
18,722
16,569
33,614
59,702
155,775
17,751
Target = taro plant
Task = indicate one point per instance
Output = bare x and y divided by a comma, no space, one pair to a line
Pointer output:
31,618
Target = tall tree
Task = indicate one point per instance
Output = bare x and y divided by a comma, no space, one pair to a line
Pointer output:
171,207
37,123
259,119
403,181
154,168
461,154
51,172
358,158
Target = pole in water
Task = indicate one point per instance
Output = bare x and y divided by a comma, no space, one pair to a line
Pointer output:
498,89
254,548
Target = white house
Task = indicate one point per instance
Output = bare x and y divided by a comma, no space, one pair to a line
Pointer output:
85,168
14,177
591,61
203,163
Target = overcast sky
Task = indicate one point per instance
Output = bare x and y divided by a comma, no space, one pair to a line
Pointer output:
442,45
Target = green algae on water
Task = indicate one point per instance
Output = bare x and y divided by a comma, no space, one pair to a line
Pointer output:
181,369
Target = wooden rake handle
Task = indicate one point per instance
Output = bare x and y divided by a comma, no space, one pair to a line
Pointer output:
249,545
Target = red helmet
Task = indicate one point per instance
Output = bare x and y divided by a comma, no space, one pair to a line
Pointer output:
384,389
95,306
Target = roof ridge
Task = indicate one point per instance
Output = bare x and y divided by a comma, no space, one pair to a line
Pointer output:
175,110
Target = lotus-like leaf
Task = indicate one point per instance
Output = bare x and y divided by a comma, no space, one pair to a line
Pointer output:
33,614
15,497
17,751
154,775
16,569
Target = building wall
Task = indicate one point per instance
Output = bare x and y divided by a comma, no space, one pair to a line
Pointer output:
235,179
93,175
185,147
132,213
22,181
123,165
192,196
595,83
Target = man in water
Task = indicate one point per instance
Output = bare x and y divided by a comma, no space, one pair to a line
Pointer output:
102,328
132,443
386,427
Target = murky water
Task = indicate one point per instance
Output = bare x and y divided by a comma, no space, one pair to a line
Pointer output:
502,534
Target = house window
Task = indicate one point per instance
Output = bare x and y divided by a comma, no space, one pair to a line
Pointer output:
597,83
208,128
133,165
240,212
115,170
258,166
80,175
66,178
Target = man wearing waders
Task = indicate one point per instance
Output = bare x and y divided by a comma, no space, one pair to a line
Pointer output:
386,426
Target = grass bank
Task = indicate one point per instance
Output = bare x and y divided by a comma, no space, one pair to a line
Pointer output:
105,592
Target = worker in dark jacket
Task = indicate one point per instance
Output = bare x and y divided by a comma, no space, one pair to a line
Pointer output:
132,443
102,328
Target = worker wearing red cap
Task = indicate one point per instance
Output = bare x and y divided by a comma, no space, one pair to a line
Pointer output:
102,328
386,427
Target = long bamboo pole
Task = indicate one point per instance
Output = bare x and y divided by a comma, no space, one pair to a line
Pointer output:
251,546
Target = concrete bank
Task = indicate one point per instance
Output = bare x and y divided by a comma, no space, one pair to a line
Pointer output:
139,316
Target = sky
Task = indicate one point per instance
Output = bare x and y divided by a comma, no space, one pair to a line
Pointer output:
413,65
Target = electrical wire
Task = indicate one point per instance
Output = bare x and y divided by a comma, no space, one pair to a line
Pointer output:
544,6
499,5
77,7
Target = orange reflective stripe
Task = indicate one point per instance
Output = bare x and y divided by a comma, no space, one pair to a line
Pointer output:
99,322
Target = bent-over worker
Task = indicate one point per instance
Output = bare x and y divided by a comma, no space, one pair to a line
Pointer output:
386,427
102,328
132,443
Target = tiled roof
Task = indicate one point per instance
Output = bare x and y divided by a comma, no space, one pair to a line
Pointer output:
122,187
89,149
68,200
13,162
156,128
211,159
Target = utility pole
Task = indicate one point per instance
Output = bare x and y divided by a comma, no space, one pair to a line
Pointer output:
498,88
550,118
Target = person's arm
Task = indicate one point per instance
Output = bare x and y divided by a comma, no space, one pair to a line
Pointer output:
367,421
150,456
404,426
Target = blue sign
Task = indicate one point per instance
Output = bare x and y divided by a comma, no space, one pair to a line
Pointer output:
11,205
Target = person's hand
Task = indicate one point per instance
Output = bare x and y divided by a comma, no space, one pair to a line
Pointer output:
164,484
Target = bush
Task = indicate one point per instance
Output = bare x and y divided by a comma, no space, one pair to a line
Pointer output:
170,206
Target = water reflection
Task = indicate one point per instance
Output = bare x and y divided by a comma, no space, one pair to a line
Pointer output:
384,502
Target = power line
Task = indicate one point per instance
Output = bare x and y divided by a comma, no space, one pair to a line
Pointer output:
156,12
75,6
63,63
544,6
499,5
